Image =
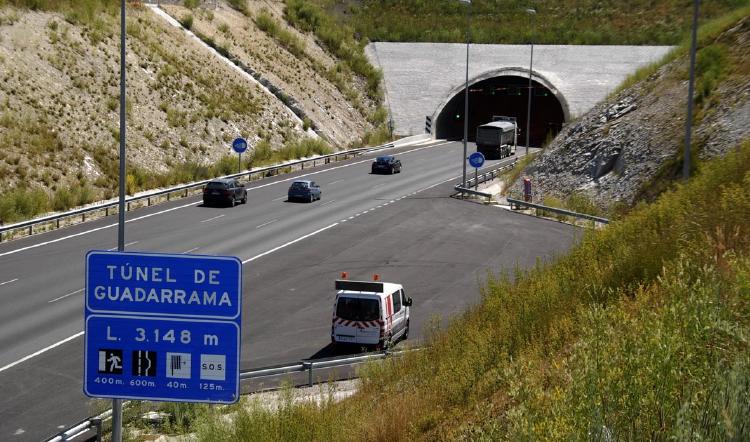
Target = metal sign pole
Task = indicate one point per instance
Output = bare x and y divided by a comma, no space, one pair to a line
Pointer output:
117,403
691,83
239,163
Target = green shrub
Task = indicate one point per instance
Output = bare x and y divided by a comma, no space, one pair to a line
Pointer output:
21,204
187,21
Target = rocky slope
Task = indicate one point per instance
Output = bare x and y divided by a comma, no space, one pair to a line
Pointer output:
628,147
59,96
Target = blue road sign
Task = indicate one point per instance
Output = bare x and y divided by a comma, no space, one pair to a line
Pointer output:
239,145
476,160
162,327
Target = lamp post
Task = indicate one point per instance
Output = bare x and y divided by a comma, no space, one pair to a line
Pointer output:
466,90
532,13
691,83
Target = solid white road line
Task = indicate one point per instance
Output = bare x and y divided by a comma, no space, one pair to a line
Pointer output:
8,282
334,182
279,198
191,250
289,243
65,296
70,338
37,353
197,203
34,246
211,219
267,223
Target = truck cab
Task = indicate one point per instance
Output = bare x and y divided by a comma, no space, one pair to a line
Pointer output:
370,313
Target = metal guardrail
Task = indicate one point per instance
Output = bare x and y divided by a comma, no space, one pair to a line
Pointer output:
515,204
95,423
273,170
481,178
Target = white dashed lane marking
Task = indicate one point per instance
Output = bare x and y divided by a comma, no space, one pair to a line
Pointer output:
8,282
65,296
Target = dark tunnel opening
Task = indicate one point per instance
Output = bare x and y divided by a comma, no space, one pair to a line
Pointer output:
506,96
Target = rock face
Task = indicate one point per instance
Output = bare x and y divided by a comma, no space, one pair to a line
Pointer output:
614,152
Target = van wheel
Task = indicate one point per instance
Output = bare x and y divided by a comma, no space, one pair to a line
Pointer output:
406,331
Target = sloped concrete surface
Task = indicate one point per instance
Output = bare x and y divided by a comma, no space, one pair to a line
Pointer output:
421,77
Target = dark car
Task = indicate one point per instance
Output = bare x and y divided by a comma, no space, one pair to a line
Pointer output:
304,190
386,164
224,191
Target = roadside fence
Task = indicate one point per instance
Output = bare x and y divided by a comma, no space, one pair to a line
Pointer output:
517,204
92,427
70,217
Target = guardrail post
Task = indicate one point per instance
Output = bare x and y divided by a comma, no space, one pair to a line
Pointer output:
31,230
186,193
83,217
58,223
127,209
309,366
97,424
106,211
168,197
148,201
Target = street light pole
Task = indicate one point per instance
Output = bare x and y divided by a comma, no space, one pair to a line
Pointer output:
691,85
532,12
466,90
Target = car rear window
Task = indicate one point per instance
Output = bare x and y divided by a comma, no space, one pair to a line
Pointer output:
299,185
384,160
216,185
358,309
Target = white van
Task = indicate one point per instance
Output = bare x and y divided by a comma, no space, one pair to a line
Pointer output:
369,313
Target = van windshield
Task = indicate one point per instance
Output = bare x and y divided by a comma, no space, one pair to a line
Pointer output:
358,309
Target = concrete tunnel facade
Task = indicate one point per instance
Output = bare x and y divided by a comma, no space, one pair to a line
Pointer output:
424,80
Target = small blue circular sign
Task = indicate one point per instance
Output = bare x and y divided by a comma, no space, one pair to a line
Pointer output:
239,145
476,160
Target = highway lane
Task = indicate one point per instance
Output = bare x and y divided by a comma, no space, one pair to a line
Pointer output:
54,272
289,293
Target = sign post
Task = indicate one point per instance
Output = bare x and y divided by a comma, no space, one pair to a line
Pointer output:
162,327
476,160
239,145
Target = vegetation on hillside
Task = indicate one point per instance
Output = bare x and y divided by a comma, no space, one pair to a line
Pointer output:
640,332
636,22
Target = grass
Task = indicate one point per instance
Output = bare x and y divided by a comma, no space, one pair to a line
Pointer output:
266,23
337,38
589,22
640,331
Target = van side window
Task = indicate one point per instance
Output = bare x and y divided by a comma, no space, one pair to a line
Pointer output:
397,301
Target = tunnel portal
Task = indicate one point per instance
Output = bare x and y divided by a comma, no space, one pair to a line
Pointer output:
507,96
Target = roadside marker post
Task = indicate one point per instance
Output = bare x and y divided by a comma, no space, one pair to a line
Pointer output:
162,327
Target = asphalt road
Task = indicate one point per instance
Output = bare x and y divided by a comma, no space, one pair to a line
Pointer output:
404,227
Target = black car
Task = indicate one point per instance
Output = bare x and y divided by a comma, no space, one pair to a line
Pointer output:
304,190
386,164
224,191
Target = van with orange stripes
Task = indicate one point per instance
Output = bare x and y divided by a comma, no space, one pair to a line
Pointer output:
371,313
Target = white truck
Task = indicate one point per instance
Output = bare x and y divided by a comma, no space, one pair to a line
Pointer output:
370,313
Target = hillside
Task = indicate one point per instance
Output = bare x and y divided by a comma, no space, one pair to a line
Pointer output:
629,148
59,100
640,332
592,22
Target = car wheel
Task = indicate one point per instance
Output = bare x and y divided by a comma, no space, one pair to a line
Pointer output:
406,331
312,198
244,199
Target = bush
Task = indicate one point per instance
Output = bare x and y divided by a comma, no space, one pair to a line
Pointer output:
187,21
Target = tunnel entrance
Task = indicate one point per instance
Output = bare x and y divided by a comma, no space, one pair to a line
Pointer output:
508,96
